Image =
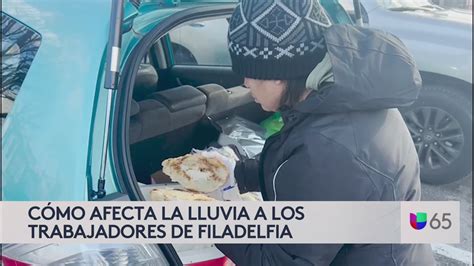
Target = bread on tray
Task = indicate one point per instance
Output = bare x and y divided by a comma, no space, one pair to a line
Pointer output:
196,172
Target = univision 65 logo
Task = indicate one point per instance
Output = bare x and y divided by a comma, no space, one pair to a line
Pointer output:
419,220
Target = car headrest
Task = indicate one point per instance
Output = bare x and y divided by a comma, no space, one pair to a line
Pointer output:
180,98
146,82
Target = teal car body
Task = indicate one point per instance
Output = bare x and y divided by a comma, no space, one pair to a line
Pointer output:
45,136
52,137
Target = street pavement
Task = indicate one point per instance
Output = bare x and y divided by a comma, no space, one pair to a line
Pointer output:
454,254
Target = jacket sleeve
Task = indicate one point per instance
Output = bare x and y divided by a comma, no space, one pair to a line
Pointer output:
246,173
321,170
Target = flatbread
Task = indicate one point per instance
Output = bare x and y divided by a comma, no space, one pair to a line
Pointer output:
173,194
250,196
197,172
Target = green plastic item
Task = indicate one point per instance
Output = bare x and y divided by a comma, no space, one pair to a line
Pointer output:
273,124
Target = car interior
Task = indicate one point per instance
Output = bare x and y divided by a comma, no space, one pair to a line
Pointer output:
183,86
174,108
178,97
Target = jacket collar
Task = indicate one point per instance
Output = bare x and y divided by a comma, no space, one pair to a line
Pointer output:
290,116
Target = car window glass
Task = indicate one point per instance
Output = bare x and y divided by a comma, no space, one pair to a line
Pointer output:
201,43
19,46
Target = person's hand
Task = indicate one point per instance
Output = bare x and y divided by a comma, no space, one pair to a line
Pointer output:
229,191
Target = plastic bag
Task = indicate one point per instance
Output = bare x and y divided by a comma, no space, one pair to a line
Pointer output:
230,190
247,136
273,124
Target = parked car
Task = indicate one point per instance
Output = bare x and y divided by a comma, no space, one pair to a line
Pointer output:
440,40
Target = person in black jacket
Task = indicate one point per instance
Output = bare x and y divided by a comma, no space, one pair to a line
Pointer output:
338,88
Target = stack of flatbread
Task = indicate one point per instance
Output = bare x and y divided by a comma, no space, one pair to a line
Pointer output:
197,174
174,194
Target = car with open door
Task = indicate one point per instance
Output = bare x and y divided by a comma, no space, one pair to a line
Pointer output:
93,106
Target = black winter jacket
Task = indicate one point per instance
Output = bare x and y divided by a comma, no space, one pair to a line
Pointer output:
345,142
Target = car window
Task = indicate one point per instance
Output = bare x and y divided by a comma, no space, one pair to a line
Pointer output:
19,46
201,43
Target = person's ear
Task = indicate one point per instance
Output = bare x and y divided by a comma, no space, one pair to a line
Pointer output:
281,83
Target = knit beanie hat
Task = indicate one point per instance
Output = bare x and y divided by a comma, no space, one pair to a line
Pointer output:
277,39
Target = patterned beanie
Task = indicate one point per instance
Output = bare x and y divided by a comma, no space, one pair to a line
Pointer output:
277,39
